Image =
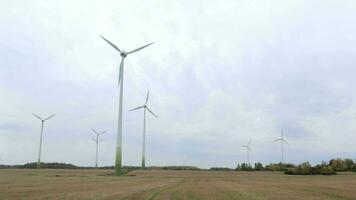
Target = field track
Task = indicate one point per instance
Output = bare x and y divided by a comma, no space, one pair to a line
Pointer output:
46,184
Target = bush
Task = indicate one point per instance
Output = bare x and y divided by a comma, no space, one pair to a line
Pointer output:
292,171
327,171
279,166
220,169
306,169
354,168
179,168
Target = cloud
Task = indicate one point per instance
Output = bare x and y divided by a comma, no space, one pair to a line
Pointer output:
220,74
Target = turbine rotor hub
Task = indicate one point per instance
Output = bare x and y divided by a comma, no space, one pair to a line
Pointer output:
123,54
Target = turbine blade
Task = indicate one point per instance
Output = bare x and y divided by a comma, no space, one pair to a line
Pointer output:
96,132
50,117
136,108
277,140
103,132
37,116
101,140
121,71
152,112
284,141
148,95
112,44
138,49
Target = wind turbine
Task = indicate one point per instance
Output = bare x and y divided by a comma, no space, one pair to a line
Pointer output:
42,124
248,150
97,141
145,107
123,54
282,140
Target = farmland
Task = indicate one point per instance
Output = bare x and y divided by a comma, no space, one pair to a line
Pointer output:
31,184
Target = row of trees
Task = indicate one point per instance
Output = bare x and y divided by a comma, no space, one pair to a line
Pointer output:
325,168
305,168
33,165
260,167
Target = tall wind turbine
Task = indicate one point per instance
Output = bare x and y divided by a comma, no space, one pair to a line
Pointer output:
42,124
282,140
123,54
145,107
97,141
248,150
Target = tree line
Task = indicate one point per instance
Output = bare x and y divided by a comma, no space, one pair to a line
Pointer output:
305,168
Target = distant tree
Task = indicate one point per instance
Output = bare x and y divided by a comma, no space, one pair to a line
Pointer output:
245,167
349,164
259,167
238,167
305,168
338,165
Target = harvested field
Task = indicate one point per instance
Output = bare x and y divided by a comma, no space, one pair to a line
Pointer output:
156,184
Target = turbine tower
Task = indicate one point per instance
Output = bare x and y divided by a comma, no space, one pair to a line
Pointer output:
282,140
97,141
145,107
248,150
123,54
40,148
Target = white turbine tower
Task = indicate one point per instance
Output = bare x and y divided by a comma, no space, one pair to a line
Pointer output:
123,54
145,107
42,125
282,140
248,150
97,141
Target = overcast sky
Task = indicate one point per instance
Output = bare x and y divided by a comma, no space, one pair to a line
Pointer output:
221,73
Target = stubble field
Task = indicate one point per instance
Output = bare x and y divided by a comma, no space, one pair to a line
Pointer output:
156,184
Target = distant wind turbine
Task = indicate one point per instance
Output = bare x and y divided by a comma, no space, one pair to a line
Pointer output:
282,140
145,107
123,54
40,148
248,150
97,141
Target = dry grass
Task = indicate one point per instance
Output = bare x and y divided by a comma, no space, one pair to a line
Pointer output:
100,185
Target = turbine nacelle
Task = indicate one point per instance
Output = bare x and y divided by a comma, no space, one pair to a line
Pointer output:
42,119
123,54
145,105
248,146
